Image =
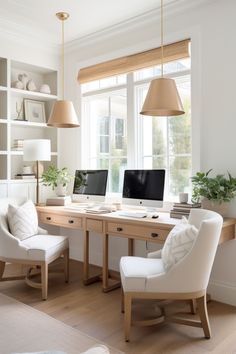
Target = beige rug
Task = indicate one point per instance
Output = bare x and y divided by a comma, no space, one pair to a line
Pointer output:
24,329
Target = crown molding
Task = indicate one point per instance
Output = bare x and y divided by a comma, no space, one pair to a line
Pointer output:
150,17
41,39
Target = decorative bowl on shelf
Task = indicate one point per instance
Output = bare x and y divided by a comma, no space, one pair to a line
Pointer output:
45,89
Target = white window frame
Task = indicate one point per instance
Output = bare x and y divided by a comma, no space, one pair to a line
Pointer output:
134,152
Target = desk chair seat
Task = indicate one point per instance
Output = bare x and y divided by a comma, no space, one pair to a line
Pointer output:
44,247
135,272
38,250
187,279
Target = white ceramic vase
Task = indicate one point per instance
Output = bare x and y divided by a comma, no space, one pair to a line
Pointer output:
61,190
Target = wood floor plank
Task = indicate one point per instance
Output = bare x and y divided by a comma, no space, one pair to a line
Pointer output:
98,314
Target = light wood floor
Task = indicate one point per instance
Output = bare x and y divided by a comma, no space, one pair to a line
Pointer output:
98,315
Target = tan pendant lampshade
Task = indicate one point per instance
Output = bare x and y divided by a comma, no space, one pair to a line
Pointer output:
63,113
162,99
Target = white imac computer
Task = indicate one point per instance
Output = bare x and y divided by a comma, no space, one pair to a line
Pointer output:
144,188
90,186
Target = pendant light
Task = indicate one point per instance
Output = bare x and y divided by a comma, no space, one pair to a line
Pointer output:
63,113
162,98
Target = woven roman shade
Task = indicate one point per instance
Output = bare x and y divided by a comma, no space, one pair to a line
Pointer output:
174,51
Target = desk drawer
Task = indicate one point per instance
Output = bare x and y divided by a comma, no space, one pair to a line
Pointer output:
94,225
141,232
61,220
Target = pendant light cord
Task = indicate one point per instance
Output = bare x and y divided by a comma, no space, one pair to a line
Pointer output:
62,61
162,35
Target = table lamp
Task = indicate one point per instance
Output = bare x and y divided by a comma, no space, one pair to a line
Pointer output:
37,150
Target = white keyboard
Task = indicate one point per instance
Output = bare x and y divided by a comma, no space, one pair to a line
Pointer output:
78,206
133,214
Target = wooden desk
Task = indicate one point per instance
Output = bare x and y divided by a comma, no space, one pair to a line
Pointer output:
147,229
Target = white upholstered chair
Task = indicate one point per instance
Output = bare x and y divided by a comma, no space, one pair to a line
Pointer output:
38,250
146,278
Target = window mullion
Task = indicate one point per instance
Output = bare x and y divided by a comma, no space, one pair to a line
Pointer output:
131,123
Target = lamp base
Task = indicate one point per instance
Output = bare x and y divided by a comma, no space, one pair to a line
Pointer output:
40,169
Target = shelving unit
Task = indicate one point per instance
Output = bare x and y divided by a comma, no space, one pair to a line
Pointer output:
14,126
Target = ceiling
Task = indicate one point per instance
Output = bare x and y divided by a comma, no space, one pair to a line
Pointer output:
86,16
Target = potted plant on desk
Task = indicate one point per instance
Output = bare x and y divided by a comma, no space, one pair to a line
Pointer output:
214,193
58,179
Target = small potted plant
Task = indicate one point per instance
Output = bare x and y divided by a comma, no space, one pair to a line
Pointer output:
57,178
214,193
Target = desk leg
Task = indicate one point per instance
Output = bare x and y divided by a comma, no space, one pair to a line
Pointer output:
86,278
105,271
105,262
130,247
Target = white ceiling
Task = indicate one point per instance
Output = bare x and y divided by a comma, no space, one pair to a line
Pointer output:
86,16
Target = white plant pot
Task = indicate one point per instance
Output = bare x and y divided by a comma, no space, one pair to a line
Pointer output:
61,190
220,208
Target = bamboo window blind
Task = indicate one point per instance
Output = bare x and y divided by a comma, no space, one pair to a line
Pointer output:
174,51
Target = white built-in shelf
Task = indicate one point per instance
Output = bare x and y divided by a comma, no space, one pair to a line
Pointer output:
19,180
3,88
12,106
28,124
33,94
20,152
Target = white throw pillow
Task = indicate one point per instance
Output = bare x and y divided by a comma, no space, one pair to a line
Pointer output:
23,220
178,243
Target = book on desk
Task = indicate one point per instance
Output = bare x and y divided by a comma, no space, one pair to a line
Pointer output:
59,201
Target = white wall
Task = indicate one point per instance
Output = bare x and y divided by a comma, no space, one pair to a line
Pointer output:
211,27
28,51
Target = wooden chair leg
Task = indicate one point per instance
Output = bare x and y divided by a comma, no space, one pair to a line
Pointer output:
66,265
128,305
202,310
44,280
2,267
193,306
122,300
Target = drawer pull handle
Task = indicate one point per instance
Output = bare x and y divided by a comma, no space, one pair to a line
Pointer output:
119,229
71,221
154,234
48,218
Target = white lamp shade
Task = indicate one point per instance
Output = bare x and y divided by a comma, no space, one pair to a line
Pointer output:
37,150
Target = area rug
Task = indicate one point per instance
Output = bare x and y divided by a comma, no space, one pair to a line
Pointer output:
24,329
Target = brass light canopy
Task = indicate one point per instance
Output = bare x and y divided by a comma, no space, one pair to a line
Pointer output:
63,114
162,98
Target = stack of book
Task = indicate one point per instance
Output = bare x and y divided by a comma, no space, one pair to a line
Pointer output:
18,144
183,209
59,201
25,176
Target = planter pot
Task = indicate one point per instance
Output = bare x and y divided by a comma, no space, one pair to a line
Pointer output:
61,191
220,208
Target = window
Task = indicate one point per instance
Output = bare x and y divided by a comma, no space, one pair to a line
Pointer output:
107,135
150,142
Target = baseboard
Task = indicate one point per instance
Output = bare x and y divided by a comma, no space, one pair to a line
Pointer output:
222,292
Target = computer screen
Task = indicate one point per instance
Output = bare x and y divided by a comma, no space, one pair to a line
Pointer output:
144,187
89,184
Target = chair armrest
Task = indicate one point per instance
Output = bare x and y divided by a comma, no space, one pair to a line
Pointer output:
156,254
42,231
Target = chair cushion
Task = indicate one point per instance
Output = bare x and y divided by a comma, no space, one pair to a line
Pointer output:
23,220
43,247
135,270
178,243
